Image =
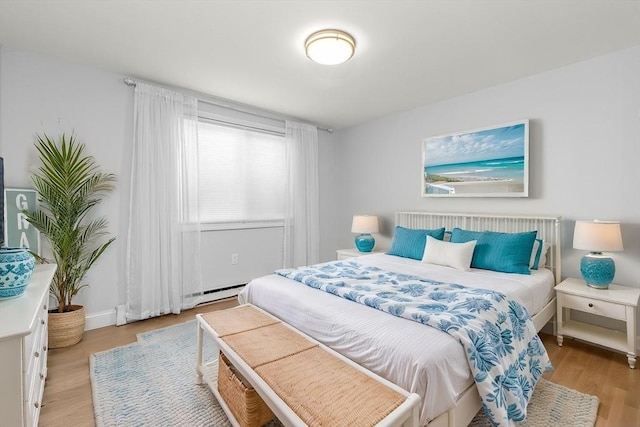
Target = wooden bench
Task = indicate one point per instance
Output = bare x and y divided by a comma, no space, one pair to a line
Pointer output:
302,381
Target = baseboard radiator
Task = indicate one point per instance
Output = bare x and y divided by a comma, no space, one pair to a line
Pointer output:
221,293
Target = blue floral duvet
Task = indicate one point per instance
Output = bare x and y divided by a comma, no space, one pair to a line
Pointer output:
502,346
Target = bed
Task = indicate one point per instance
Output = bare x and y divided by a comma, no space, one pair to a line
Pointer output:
416,357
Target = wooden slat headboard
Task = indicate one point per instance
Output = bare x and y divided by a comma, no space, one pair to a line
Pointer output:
548,228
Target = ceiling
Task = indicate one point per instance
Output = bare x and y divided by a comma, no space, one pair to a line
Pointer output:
409,53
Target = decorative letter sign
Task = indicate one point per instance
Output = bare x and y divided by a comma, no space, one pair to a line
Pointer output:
19,232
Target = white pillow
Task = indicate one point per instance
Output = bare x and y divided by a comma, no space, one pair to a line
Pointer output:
542,261
456,255
543,255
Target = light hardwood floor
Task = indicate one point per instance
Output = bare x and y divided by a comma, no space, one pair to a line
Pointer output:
67,395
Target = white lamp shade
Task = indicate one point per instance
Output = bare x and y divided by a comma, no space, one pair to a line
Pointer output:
364,224
597,236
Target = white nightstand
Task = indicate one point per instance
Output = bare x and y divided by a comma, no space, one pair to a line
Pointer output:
617,302
353,252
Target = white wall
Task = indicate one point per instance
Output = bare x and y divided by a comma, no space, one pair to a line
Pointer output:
258,252
584,156
42,95
39,94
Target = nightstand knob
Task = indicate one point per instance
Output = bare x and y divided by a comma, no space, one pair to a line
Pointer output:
590,305
37,354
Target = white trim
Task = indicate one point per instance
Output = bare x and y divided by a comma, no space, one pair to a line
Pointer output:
100,320
238,225
110,317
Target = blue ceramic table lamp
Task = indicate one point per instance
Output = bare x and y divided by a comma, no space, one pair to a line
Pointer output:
365,225
597,237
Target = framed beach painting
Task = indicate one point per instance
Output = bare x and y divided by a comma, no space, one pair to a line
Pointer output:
487,162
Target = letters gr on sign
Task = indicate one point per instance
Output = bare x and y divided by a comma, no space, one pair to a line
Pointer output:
19,232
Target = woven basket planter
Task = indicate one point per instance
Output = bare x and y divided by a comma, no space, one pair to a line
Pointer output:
244,402
66,329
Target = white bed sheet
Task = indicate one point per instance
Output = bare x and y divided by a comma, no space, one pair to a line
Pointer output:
414,356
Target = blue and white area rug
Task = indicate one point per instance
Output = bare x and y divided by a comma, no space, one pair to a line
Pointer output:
153,383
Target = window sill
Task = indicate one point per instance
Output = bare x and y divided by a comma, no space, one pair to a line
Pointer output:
241,225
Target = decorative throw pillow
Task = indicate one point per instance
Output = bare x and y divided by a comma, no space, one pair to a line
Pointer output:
505,252
539,254
410,243
456,255
543,255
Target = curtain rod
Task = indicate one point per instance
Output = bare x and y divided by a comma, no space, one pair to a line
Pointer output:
226,104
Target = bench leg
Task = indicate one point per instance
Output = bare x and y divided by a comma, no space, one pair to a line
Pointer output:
199,355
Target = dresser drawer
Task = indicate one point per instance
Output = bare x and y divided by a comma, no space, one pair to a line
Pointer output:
36,377
36,391
42,315
37,363
593,306
36,343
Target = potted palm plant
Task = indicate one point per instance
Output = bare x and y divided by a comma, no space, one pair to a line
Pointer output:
69,186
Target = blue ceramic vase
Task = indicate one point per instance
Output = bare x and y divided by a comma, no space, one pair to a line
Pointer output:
365,242
597,270
16,266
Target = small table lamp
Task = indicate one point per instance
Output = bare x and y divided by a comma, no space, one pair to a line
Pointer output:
365,225
597,237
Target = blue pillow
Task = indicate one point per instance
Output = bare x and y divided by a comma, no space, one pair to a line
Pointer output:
410,243
505,252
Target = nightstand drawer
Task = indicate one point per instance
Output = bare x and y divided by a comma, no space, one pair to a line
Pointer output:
593,306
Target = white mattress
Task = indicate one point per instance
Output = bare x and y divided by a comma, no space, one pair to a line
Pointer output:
414,356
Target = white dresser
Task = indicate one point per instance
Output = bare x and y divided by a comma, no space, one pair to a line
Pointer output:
23,350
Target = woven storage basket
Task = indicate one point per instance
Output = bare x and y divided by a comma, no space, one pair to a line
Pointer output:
66,329
243,401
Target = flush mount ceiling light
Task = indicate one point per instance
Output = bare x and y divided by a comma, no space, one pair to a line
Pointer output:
330,47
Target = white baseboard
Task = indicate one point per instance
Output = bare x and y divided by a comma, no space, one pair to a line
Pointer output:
100,320
117,315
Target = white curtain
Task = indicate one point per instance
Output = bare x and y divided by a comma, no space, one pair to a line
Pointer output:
163,246
301,226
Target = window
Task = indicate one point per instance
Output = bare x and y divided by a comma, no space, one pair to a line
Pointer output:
241,174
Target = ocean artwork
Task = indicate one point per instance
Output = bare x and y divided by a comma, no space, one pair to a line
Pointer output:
489,162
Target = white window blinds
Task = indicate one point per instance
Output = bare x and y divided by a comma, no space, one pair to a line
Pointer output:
241,174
